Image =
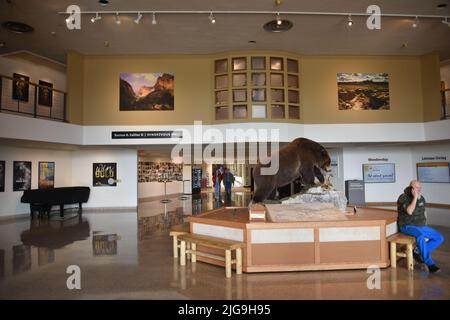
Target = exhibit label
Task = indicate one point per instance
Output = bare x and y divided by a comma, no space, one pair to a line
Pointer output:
146,134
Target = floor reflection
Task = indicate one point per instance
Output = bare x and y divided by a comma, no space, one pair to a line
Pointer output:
129,255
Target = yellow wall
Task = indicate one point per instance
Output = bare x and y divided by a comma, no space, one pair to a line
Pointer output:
319,97
412,85
432,104
101,89
75,80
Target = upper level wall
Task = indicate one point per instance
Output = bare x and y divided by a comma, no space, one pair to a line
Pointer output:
101,90
411,83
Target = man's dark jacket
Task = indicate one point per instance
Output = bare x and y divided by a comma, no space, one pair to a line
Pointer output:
417,218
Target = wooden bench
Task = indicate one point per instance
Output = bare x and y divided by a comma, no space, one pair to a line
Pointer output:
409,243
227,245
175,232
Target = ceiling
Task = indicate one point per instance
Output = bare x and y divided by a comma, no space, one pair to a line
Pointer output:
194,34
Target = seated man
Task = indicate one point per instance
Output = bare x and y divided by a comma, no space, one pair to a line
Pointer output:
412,221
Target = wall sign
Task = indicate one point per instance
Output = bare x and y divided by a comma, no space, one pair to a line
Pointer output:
46,176
379,173
21,175
104,174
430,172
378,159
146,134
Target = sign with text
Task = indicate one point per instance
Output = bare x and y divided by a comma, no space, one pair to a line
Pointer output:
104,174
146,134
437,172
379,173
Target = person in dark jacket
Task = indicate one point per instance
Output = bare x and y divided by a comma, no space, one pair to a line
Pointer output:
412,221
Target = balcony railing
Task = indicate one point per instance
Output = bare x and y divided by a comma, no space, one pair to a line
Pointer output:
26,98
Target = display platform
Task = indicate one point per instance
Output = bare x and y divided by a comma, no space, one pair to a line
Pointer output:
350,241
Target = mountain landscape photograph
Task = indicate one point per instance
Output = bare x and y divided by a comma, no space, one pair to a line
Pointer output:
363,91
146,91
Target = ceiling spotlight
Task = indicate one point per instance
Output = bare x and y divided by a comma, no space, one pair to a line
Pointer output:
103,2
415,23
349,20
154,19
138,18
211,18
68,19
117,18
96,18
278,18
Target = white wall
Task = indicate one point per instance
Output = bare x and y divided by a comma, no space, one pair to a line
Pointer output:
125,194
72,168
433,192
9,200
355,157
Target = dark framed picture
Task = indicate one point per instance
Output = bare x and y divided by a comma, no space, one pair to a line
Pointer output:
104,174
45,93
2,176
21,175
21,86
46,175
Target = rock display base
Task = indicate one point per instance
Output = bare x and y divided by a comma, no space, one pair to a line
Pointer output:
319,195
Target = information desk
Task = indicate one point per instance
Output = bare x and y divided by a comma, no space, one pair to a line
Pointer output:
355,242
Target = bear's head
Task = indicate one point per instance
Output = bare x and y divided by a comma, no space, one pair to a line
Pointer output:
324,160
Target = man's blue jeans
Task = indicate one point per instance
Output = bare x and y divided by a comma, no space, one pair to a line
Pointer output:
427,240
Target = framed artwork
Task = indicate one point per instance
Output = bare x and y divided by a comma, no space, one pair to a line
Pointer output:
2,176
21,175
104,174
146,91
363,91
46,175
45,93
379,172
20,88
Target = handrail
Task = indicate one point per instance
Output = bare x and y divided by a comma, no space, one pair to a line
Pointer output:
34,84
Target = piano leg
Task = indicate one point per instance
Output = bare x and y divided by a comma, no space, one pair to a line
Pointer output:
61,210
31,211
80,208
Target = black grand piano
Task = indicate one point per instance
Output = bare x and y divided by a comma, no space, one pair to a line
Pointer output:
42,200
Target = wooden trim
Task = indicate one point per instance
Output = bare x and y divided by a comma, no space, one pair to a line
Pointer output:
394,204
314,267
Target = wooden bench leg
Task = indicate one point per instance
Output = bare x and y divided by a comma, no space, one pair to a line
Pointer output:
409,257
175,246
188,247
228,263
193,255
238,261
183,253
393,255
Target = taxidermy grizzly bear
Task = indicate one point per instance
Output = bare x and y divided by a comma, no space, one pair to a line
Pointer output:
302,159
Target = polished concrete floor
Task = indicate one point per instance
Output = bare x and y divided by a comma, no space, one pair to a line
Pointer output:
128,255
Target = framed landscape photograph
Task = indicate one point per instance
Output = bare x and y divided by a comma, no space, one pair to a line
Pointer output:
2,176
20,88
21,175
46,175
104,174
45,93
363,91
146,91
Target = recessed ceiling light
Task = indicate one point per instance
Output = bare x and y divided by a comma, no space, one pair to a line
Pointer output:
103,2
17,27
252,41
275,26
442,5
